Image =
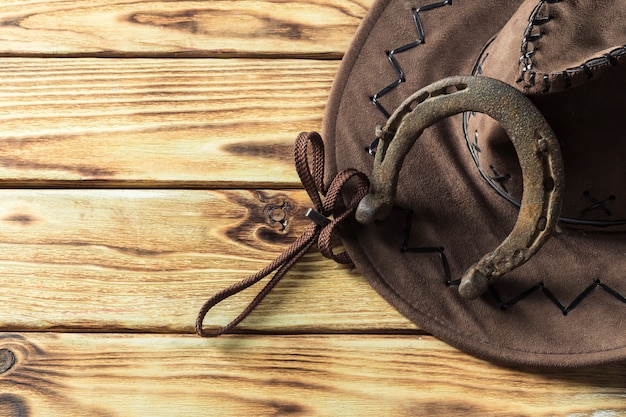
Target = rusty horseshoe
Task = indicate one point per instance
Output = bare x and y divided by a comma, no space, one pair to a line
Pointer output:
537,149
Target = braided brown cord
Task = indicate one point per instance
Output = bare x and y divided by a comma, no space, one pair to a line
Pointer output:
332,202
312,178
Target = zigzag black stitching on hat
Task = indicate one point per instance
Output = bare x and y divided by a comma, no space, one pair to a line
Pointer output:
439,250
421,38
504,305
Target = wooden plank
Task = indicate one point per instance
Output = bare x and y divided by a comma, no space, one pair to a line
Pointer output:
321,28
148,375
145,260
157,122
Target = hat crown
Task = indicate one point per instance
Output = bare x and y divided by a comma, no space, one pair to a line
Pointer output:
448,216
568,57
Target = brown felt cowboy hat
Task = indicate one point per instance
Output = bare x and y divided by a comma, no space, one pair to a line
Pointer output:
492,135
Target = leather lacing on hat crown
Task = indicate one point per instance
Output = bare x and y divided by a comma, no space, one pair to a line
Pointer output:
312,178
532,33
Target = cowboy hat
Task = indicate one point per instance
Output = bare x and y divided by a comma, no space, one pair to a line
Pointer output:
460,188
485,126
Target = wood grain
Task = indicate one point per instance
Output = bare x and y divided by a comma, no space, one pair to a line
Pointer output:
140,375
157,123
145,260
133,262
307,28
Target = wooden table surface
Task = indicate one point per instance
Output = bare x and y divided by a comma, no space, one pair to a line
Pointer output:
142,145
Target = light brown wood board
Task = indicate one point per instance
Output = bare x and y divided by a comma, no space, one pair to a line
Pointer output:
305,375
148,28
204,123
145,260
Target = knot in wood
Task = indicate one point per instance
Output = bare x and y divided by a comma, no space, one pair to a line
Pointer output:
278,214
7,360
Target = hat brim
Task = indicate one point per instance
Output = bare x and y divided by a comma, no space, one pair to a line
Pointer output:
565,307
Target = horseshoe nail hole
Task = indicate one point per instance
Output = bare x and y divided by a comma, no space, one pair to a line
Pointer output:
541,223
542,144
436,93
455,88
548,184
419,100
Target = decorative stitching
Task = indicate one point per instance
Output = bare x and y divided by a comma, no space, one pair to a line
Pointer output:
421,38
500,179
439,250
530,36
504,305
475,143
597,204
526,58
610,58
475,150
391,56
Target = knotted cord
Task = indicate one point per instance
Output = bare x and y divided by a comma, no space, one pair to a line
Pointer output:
312,177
